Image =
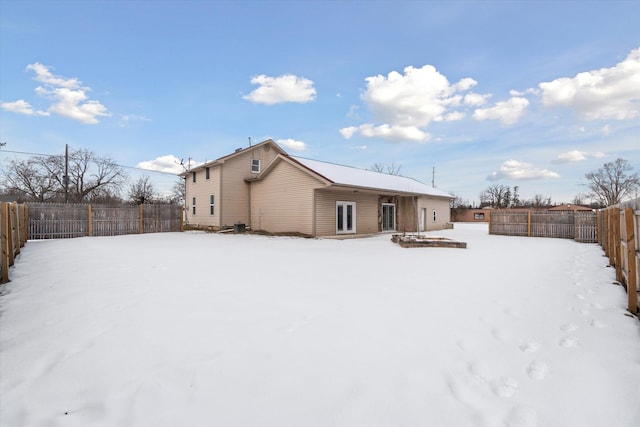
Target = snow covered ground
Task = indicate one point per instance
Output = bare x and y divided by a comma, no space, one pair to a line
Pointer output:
199,329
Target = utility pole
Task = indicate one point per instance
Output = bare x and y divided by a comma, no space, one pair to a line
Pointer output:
433,177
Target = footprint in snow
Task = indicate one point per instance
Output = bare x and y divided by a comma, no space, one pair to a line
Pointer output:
500,334
529,347
504,387
569,327
597,324
568,342
537,370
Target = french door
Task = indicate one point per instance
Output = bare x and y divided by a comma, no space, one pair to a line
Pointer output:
388,217
345,217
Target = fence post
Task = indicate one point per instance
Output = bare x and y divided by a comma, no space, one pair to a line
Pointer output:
10,239
617,249
631,260
89,221
141,226
528,223
610,243
4,227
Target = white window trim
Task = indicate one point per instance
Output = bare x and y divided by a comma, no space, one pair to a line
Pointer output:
253,164
353,205
434,215
394,217
212,204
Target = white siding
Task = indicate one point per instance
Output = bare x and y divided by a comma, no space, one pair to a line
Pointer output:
201,190
235,191
283,201
366,211
443,212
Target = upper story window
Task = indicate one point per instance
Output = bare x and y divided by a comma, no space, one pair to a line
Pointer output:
206,173
255,165
193,176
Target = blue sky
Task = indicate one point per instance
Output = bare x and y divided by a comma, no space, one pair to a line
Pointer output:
528,93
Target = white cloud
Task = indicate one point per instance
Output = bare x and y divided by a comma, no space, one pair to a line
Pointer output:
292,144
606,130
575,156
43,75
285,88
68,97
454,116
405,104
508,112
385,131
515,170
475,99
607,93
348,132
22,107
168,163
125,119
75,105
415,98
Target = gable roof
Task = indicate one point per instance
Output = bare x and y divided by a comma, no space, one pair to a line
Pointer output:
362,178
237,152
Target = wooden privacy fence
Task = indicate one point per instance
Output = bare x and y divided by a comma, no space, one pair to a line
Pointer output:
581,226
620,240
13,235
61,221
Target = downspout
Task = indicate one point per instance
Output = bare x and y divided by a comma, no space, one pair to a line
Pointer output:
313,212
249,193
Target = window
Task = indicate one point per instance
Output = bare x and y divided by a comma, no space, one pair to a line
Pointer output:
345,217
388,216
193,176
255,165
206,173
434,215
478,215
212,204
193,206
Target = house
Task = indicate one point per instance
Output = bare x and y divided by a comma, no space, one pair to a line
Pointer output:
266,189
471,214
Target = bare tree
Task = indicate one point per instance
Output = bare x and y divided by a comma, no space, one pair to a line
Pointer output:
496,196
142,191
540,201
391,169
28,181
178,192
611,183
43,178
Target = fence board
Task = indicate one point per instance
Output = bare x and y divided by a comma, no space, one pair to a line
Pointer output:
59,221
12,236
581,226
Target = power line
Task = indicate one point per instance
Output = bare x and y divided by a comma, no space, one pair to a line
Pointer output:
62,155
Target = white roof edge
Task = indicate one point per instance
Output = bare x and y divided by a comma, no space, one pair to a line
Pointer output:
355,177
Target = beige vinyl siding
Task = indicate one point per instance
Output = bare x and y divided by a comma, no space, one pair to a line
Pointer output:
366,211
234,200
443,212
283,201
201,190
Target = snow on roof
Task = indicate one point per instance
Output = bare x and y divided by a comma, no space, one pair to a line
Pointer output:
347,175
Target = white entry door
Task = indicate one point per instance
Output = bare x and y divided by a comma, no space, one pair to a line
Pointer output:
345,217
423,219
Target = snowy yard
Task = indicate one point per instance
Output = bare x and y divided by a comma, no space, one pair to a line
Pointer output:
198,329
